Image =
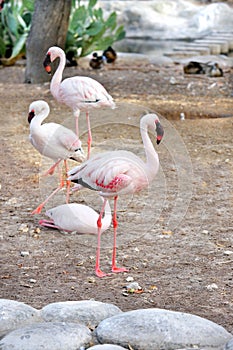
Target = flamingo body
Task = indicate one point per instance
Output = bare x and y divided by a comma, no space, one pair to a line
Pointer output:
51,139
77,217
119,173
79,93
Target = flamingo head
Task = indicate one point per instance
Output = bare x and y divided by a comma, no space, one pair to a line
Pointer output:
36,108
47,62
31,115
159,131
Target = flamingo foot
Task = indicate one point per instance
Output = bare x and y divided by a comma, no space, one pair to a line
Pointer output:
38,209
100,273
119,269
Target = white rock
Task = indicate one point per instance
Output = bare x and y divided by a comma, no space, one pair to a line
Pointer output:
161,329
48,336
88,312
106,347
14,314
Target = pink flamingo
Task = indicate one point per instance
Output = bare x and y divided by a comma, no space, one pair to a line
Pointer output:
79,93
76,217
53,141
117,173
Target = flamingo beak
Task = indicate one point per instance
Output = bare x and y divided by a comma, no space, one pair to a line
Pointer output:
31,115
160,132
47,63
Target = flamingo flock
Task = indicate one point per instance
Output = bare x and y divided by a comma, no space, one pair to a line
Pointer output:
109,174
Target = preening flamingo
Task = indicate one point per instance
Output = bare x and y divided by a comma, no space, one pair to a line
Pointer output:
77,217
53,141
80,93
117,173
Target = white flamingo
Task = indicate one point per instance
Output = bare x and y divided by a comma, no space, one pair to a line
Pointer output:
53,141
79,93
117,173
77,217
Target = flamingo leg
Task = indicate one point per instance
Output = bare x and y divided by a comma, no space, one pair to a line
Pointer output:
89,140
98,272
41,206
51,170
115,269
48,223
67,183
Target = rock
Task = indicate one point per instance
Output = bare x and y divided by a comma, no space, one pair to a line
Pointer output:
161,329
14,314
48,336
229,345
106,347
88,312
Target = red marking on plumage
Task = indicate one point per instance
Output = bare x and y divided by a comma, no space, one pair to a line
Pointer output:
111,185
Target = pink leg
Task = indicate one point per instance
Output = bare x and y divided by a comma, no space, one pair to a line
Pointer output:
41,206
51,170
98,272
115,269
89,140
76,124
48,223
67,183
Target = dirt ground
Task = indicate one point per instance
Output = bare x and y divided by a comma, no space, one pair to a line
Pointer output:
175,239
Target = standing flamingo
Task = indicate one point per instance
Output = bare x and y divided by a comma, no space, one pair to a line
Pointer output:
79,93
76,217
53,141
117,173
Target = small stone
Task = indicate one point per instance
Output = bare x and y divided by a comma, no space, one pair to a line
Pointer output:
23,228
227,160
129,279
173,81
228,252
205,232
212,287
32,280
24,253
182,116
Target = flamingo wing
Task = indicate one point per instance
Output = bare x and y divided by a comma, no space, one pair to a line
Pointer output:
109,172
77,92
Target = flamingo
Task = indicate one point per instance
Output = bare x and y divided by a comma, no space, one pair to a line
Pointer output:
117,173
76,217
53,141
79,93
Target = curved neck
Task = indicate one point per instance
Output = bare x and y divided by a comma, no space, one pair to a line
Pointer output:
152,158
57,77
39,118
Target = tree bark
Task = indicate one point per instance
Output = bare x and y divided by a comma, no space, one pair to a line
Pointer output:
49,28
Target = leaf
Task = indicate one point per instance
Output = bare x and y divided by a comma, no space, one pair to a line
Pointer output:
19,46
92,3
2,47
94,28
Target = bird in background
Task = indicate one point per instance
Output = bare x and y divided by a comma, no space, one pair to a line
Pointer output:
118,173
110,55
79,93
77,217
53,141
96,62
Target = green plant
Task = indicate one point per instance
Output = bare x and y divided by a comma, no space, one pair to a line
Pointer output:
15,22
89,31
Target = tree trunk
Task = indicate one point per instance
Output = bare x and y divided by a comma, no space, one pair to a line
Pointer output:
49,28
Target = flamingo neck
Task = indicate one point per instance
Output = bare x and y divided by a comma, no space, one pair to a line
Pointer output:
57,77
152,158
